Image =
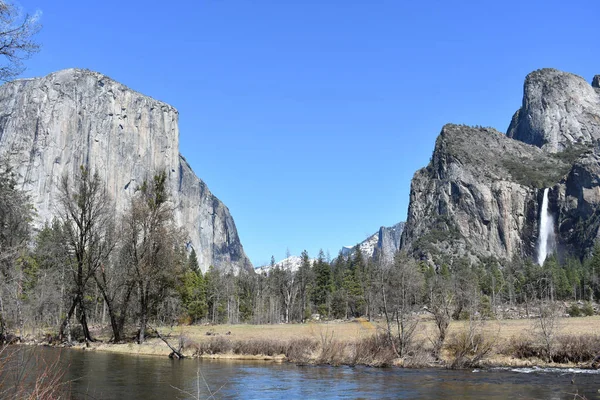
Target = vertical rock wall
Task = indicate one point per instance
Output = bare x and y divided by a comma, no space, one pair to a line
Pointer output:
51,126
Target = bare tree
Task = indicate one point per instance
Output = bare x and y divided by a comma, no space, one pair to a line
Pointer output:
401,287
286,282
472,344
409,281
16,39
441,301
154,246
546,326
85,212
116,284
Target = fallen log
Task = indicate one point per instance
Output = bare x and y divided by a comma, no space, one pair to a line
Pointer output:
174,352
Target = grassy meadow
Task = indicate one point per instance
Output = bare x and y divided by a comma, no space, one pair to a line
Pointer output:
511,343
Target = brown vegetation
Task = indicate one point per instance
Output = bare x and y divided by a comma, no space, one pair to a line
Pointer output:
26,375
469,344
578,349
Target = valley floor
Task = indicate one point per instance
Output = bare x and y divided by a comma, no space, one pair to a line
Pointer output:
515,343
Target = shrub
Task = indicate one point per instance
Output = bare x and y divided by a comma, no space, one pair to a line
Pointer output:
574,310
299,350
578,349
587,309
523,347
375,350
469,347
569,348
295,350
216,345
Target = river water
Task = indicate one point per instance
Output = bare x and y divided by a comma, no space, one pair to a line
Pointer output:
98,375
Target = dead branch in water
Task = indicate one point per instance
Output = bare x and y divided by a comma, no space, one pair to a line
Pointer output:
175,353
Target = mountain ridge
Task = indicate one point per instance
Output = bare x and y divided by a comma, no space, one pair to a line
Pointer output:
480,195
50,126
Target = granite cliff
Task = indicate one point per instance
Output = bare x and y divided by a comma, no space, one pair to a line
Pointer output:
559,109
480,196
51,126
384,243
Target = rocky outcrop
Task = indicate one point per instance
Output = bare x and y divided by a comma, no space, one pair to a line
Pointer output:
479,196
384,243
51,126
561,113
559,110
575,202
388,242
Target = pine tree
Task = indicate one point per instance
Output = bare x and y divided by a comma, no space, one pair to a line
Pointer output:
323,285
593,272
304,281
193,261
193,290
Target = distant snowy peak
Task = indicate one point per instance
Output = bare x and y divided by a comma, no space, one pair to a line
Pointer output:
292,263
385,242
367,246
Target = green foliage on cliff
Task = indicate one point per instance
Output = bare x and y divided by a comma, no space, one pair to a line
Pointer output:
534,174
573,153
543,172
444,229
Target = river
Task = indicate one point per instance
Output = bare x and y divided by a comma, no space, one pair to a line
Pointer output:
97,375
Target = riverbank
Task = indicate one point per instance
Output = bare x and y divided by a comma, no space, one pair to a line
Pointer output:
508,343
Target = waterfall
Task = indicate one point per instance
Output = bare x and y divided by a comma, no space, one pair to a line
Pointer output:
546,236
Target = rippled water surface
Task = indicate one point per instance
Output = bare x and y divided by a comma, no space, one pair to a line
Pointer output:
115,376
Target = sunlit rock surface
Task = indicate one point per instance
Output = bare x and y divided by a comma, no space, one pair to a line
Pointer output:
51,126
480,195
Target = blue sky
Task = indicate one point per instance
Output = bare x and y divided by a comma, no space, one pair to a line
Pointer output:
309,118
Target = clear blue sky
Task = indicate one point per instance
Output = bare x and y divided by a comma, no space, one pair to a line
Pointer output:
308,118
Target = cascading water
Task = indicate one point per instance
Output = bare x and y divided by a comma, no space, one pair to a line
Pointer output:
546,236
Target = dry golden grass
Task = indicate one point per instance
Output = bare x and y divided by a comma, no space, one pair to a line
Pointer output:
342,330
359,328
345,331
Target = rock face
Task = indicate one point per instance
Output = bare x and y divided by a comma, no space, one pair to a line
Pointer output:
480,196
388,242
473,198
384,243
51,126
559,109
575,202
561,112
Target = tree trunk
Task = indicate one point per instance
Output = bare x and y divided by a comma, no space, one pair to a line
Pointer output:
123,312
143,324
387,320
66,320
143,316
83,320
